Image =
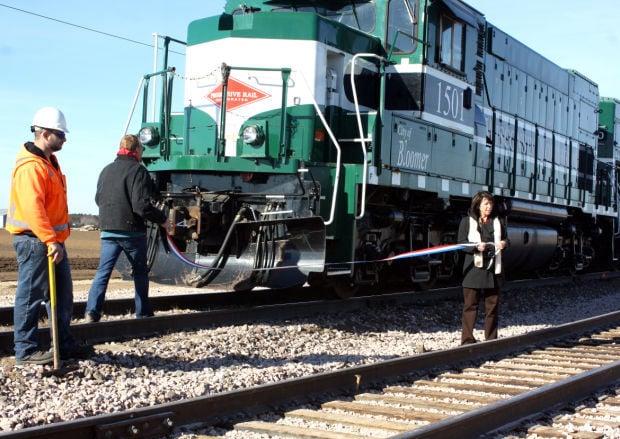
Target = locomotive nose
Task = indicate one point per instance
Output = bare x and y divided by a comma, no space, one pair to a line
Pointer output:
274,253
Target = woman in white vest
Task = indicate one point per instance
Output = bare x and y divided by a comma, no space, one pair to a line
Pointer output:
482,266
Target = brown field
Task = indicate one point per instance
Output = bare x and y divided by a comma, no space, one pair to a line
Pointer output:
82,247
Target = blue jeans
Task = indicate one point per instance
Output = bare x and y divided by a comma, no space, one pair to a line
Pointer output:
33,289
111,248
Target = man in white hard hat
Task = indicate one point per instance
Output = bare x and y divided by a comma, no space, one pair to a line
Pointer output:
38,219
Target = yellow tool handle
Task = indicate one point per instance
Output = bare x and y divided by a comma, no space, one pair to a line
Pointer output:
51,268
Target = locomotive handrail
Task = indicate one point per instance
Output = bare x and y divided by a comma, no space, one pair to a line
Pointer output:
361,129
141,83
285,75
133,105
338,152
286,72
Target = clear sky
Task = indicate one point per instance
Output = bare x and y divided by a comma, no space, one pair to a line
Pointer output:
578,35
92,77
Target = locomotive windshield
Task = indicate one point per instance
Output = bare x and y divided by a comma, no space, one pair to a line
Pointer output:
356,14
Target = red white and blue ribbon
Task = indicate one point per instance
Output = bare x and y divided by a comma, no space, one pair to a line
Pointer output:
412,254
427,251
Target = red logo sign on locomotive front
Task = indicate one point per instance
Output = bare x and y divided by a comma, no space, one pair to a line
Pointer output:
238,94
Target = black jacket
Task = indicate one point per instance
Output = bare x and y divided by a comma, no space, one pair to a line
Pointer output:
125,195
474,277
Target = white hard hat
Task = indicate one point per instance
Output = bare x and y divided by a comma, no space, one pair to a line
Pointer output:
51,118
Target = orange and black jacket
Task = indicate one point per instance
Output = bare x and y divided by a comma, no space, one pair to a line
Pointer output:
38,199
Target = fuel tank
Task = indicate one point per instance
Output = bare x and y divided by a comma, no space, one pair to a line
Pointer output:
532,247
524,211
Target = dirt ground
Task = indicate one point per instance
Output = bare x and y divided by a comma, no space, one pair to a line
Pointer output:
82,247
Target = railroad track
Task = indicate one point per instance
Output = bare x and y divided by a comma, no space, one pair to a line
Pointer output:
191,301
473,390
235,309
473,401
230,312
223,299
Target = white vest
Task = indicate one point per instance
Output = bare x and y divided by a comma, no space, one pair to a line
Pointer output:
474,237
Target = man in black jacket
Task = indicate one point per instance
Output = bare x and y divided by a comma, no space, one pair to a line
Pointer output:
125,196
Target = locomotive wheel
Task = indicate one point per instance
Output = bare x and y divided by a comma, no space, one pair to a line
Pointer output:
317,279
424,286
342,289
345,289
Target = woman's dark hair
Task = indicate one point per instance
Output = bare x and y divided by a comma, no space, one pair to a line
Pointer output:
477,200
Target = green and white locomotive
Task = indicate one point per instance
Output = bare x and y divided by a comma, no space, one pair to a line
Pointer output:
319,138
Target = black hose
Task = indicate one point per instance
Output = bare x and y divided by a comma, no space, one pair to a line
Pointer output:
211,273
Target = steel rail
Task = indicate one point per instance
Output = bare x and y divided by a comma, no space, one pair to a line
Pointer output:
111,330
206,300
486,419
195,301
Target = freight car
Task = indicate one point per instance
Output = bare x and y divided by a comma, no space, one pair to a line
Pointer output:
318,139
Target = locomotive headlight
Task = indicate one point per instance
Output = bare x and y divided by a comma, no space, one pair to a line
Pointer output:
149,136
253,135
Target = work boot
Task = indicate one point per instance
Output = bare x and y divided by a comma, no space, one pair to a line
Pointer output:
37,357
90,318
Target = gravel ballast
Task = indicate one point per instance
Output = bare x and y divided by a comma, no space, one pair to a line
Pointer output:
144,372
